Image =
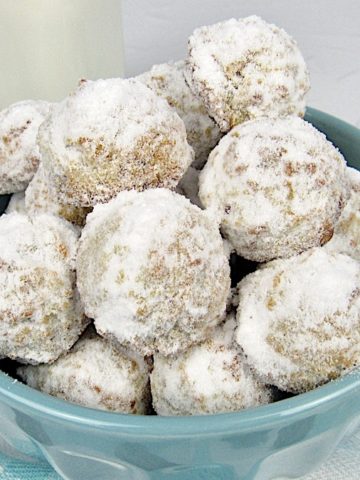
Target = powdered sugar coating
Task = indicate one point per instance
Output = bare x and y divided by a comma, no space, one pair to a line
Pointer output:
208,378
299,319
167,80
40,313
279,187
152,271
19,153
41,197
17,203
94,374
346,238
244,69
112,135
189,186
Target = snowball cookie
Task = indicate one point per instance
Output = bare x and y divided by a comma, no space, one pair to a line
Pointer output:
244,69
41,197
112,135
208,378
40,313
17,203
346,238
168,81
189,186
152,271
279,186
19,153
299,319
94,374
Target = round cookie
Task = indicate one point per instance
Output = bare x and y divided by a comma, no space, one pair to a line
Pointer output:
278,185
167,80
346,238
94,374
244,69
299,319
208,378
152,271
19,153
109,136
41,197
17,203
40,313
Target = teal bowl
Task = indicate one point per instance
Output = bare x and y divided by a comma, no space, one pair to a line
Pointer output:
286,439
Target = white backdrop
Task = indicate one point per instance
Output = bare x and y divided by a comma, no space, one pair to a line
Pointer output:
327,31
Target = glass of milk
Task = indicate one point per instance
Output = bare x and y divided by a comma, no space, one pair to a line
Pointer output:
47,46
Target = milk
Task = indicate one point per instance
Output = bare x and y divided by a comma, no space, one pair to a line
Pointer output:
46,46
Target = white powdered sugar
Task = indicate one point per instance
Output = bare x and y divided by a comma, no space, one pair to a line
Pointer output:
19,153
208,378
346,238
17,203
40,313
94,374
167,80
279,187
244,69
152,271
109,136
299,319
41,197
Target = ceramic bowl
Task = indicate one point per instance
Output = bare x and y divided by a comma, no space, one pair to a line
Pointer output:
286,439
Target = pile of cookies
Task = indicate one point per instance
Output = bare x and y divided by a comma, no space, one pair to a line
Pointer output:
132,201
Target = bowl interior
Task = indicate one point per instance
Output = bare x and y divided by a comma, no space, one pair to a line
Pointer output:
347,139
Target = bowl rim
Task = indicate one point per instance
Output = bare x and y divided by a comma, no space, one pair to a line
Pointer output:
29,400
22,397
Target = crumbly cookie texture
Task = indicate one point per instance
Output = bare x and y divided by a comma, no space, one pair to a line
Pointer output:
208,378
94,374
278,185
167,80
189,186
299,319
41,197
152,271
109,136
40,313
19,153
17,203
346,238
244,69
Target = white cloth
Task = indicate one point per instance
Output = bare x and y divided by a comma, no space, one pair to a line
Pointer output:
344,464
